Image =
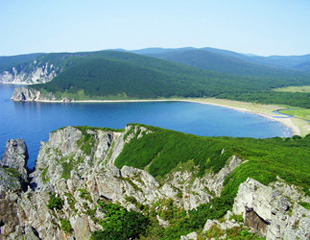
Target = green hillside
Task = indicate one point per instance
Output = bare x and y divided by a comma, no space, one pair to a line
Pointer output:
122,75
268,158
200,73
110,74
164,151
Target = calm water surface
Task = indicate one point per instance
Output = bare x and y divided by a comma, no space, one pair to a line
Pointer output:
34,121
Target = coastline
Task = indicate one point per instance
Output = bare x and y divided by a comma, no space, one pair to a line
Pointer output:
267,113
263,110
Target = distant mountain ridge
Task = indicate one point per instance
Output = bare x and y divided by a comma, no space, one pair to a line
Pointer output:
228,61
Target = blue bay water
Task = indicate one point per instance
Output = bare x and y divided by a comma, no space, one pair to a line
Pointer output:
34,121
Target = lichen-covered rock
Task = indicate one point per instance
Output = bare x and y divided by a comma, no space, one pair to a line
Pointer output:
9,179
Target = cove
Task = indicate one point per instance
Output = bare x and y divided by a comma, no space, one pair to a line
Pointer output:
33,121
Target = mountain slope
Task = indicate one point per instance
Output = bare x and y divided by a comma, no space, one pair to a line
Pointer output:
178,184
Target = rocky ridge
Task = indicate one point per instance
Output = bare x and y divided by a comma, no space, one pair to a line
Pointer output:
77,164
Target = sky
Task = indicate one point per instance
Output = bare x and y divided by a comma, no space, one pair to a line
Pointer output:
261,27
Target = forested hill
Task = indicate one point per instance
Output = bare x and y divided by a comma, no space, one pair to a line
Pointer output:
125,75
118,74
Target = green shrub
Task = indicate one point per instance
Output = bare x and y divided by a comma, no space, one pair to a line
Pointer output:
71,201
121,224
305,205
65,225
55,202
85,195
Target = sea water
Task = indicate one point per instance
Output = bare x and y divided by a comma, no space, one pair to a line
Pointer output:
33,121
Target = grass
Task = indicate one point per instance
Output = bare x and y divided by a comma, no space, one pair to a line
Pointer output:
298,112
305,205
67,167
43,175
65,225
294,89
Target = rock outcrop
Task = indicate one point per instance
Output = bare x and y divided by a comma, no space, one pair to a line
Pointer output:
24,94
271,212
34,73
13,165
13,181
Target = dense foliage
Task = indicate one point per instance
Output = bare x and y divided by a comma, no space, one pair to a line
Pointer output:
162,150
120,224
55,202
120,75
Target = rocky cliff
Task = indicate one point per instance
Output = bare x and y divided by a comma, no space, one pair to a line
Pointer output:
33,73
24,94
75,172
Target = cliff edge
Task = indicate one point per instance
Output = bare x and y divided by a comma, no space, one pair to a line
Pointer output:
77,190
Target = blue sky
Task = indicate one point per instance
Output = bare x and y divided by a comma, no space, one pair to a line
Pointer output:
262,27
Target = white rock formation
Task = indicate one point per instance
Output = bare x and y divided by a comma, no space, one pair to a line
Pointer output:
38,73
270,212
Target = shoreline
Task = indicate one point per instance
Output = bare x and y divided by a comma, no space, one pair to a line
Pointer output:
259,109
286,121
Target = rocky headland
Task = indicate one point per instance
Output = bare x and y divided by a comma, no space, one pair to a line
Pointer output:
75,171
25,94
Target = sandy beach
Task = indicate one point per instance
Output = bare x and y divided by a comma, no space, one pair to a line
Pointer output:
298,126
262,110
